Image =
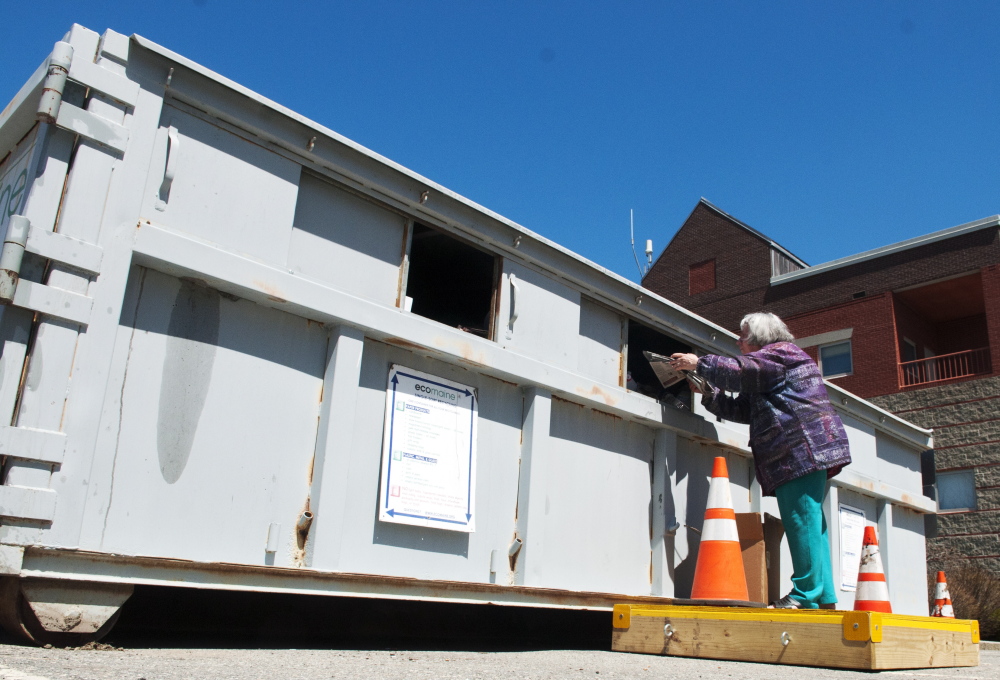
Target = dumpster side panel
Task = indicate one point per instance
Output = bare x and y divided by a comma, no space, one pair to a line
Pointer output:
897,464
741,478
217,428
690,481
906,549
548,316
346,241
683,503
864,449
597,502
225,189
373,547
600,344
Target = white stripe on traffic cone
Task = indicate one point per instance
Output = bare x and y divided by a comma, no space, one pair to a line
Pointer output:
873,592
718,574
942,598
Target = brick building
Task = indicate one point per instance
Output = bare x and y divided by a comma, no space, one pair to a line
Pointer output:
914,327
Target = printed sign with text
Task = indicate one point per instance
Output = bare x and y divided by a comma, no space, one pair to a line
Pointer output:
429,452
852,531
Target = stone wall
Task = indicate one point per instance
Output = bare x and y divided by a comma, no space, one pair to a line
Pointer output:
965,417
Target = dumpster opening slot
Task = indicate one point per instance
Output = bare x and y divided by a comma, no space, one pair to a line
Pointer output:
451,281
640,375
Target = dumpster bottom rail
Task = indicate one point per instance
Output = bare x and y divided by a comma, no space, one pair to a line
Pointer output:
65,564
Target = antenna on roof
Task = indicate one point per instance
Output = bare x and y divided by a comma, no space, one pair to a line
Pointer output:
649,246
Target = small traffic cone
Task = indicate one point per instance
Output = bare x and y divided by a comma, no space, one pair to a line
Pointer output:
719,574
942,598
873,592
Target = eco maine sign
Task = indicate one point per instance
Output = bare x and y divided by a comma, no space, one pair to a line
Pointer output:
13,183
428,452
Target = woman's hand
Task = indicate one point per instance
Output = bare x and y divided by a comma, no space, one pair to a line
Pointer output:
684,362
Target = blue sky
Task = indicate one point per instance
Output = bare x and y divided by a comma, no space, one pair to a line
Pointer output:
831,127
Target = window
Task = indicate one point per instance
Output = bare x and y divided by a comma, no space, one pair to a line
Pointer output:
909,350
957,490
450,281
639,374
835,359
701,277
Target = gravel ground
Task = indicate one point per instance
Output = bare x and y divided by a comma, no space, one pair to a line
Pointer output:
24,663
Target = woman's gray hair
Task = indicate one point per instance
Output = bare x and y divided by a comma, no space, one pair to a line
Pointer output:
763,328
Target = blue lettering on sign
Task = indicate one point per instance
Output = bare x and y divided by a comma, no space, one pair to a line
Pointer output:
14,185
423,389
11,194
423,459
427,389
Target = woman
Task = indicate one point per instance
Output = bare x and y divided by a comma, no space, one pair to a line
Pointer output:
797,439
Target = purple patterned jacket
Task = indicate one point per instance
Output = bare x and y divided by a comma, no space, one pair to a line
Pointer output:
793,427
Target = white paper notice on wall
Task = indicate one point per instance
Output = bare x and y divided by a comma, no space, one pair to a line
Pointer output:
429,452
852,533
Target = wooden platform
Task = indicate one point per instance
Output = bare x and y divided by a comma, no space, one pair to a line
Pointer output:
818,637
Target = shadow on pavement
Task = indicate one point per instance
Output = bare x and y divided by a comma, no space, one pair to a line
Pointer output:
184,617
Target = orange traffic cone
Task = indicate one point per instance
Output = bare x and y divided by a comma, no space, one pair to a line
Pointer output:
942,598
873,592
719,574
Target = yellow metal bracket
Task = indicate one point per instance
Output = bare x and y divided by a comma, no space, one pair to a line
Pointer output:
622,616
863,626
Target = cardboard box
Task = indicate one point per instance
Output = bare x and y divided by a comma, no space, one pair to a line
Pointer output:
774,530
751,532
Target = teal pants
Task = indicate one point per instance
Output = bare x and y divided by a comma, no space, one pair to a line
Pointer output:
800,502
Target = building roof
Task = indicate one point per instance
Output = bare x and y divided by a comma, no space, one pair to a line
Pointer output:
916,242
742,225
771,242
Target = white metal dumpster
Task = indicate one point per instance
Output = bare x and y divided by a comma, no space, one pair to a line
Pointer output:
243,352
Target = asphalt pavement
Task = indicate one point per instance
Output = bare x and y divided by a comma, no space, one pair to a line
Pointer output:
176,633
26,663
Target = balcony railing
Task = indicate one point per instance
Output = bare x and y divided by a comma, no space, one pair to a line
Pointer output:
945,367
